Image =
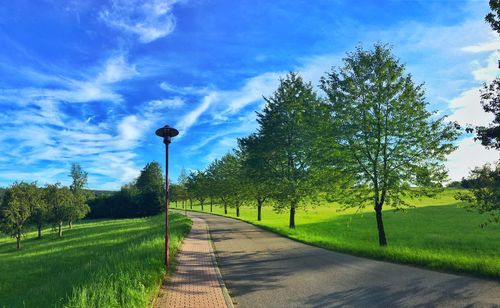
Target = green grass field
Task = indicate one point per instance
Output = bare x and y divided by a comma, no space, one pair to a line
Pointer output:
102,263
437,233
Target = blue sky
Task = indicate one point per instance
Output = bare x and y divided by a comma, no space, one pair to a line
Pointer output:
90,81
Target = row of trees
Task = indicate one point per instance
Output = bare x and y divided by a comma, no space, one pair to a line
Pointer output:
368,139
145,196
26,203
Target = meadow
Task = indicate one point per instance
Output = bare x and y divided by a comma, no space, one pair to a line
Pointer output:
438,233
100,263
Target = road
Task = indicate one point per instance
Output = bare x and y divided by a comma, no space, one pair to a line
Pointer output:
262,269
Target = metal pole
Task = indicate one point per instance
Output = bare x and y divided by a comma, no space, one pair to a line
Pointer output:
167,257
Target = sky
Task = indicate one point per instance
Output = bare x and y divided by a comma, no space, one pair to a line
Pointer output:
89,82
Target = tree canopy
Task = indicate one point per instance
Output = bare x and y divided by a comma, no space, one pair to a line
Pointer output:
386,136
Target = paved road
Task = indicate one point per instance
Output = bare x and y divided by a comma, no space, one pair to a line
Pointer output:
262,269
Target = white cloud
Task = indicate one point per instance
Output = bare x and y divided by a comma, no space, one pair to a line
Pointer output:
172,103
467,109
484,46
150,20
115,70
488,72
469,155
94,88
189,90
189,120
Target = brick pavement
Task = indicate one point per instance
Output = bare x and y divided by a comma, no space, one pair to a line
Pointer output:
196,281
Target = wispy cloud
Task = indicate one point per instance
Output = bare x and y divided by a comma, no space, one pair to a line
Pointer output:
188,120
98,87
149,20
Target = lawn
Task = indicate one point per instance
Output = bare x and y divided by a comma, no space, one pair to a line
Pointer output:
438,233
101,263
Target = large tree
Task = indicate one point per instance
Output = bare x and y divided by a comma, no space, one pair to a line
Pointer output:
386,136
289,125
18,203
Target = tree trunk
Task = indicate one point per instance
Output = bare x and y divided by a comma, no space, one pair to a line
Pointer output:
60,229
175,203
237,211
380,225
190,204
225,208
211,205
70,224
259,211
18,241
201,206
292,217
39,227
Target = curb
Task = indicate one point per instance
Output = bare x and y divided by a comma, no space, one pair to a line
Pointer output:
225,292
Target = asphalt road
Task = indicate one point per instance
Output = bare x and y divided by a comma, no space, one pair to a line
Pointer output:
262,269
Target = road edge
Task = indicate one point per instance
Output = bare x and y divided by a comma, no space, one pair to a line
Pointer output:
222,284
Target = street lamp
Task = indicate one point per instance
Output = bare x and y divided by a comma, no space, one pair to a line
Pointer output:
166,132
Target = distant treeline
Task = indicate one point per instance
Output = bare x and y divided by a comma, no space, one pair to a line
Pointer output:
143,197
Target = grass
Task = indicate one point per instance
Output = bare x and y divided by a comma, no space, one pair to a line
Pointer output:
101,263
438,233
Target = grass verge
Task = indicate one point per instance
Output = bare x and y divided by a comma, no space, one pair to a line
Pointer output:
101,263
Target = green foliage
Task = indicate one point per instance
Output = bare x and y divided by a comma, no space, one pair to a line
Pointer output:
484,193
386,136
19,202
227,182
151,190
143,197
493,17
490,100
100,263
79,208
60,202
288,126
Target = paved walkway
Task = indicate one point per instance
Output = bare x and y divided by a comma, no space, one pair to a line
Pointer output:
196,281
262,269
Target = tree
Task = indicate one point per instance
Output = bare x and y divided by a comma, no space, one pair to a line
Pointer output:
79,180
211,174
493,17
40,212
222,185
484,192
255,172
232,181
17,205
490,94
288,127
385,135
183,182
59,200
151,190
199,186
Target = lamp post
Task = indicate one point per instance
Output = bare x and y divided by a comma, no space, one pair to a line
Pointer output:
166,132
